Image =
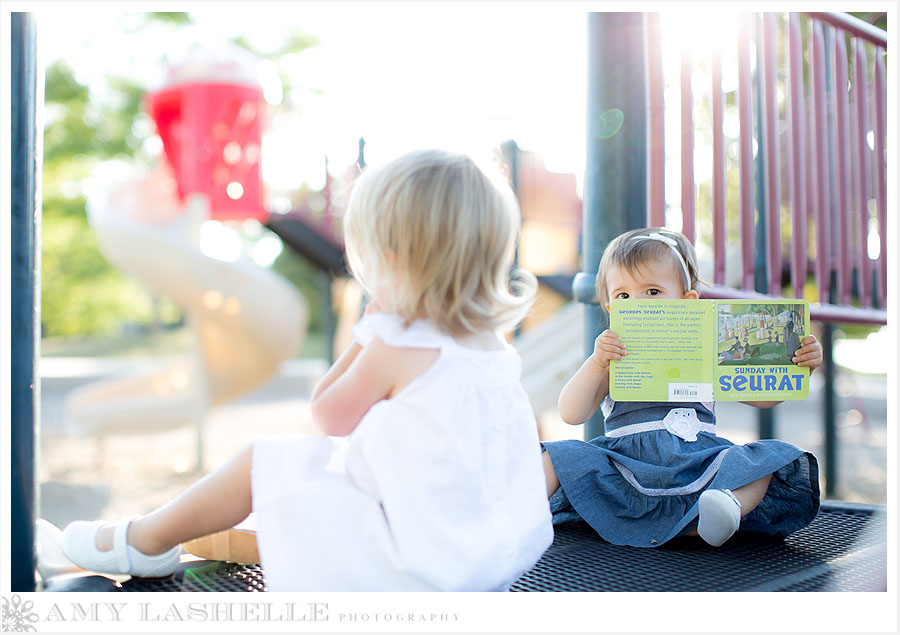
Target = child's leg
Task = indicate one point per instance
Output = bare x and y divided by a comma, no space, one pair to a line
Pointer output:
751,494
218,501
550,474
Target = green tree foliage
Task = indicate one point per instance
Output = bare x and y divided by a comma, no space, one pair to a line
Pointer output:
875,18
82,294
175,18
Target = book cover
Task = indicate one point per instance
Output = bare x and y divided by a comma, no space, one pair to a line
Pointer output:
709,350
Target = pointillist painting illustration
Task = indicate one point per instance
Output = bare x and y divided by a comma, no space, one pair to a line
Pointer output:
762,333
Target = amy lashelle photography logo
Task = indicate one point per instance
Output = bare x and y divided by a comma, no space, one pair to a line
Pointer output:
18,616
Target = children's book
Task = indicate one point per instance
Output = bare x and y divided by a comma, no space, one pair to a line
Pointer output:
709,350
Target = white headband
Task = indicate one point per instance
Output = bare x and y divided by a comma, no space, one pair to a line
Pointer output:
674,245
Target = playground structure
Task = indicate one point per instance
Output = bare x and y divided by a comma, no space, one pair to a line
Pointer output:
819,573
246,320
552,214
831,110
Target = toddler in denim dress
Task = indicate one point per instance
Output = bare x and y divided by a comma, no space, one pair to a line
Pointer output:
660,471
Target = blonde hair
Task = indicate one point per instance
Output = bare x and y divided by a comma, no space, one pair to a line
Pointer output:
438,233
631,253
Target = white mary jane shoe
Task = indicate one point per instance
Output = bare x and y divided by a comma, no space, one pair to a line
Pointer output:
720,516
79,543
51,559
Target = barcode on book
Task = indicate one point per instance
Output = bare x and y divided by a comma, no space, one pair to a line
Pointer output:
690,392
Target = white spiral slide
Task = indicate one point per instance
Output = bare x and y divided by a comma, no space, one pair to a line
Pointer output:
247,320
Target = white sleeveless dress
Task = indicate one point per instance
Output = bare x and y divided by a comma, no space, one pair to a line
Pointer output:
440,488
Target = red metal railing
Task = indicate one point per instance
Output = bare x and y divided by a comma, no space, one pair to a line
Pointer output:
814,156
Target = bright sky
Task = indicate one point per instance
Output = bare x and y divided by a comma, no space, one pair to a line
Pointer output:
462,76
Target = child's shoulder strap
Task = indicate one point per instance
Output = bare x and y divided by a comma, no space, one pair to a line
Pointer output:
393,331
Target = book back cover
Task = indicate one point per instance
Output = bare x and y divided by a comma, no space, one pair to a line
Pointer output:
671,350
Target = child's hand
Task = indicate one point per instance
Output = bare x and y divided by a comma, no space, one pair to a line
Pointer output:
607,346
809,354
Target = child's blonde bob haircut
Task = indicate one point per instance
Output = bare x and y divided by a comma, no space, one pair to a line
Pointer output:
632,252
432,235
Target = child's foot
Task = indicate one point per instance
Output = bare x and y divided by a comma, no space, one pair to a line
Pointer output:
98,546
720,516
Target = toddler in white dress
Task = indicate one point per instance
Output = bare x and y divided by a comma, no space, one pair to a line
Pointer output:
429,475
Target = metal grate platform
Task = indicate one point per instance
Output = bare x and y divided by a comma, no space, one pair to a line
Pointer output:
844,549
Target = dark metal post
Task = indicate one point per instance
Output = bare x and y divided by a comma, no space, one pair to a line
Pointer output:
831,471
615,184
326,311
765,417
829,409
766,423
510,150
25,299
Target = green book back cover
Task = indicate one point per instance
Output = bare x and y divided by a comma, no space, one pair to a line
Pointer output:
670,348
705,350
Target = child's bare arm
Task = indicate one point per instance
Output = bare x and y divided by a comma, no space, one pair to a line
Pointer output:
809,355
344,361
337,369
357,381
587,389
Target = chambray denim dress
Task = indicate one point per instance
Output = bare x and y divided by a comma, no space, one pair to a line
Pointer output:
639,484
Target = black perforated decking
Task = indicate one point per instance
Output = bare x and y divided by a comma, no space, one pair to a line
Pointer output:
844,549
